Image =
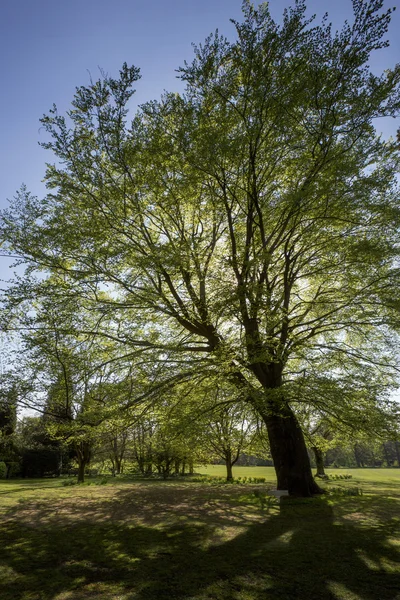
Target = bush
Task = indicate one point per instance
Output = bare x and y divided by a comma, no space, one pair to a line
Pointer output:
69,482
340,491
218,480
3,470
102,481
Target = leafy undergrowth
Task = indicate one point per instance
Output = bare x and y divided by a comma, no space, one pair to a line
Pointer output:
189,540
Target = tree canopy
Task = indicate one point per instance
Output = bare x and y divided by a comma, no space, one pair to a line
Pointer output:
245,229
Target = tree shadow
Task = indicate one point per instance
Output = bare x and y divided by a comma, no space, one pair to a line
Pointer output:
177,551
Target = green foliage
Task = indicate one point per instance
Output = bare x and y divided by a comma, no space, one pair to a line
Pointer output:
245,232
216,480
347,491
38,462
68,482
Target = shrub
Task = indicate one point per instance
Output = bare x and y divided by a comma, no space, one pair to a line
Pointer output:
336,476
68,482
340,491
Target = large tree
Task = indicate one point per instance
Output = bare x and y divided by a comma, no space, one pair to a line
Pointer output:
237,229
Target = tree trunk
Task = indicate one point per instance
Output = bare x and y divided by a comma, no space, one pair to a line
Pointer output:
81,470
358,457
191,466
228,463
319,461
397,447
166,469
289,452
83,456
286,440
386,454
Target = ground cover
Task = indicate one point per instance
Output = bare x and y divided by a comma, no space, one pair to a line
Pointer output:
141,540
384,476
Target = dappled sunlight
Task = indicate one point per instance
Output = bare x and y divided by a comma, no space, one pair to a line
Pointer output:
7,574
192,541
341,592
281,541
140,504
371,564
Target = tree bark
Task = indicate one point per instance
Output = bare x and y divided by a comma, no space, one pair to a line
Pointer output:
81,471
389,460
319,461
228,463
289,452
358,457
83,456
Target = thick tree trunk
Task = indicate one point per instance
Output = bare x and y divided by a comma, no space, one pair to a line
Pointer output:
319,462
289,452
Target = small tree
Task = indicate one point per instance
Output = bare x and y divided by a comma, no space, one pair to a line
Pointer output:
229,433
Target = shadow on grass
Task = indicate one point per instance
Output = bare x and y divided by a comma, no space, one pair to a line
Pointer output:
303,551
27,488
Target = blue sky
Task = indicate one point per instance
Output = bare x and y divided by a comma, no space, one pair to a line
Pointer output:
48,47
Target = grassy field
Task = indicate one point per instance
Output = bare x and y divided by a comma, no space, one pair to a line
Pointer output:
372,475
142,540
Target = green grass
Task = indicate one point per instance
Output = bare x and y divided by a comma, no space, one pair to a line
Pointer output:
371,475
142,540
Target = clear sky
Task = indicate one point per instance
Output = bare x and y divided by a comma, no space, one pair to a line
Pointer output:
47,48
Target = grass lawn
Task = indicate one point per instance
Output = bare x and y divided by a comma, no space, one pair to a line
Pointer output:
138,540
377,476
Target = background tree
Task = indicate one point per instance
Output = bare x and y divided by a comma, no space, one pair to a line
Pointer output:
229,435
